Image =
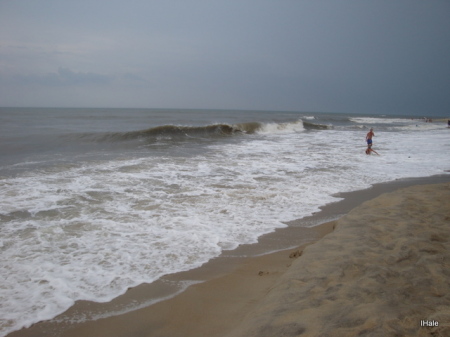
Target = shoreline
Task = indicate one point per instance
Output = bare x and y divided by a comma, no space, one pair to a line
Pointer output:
263,262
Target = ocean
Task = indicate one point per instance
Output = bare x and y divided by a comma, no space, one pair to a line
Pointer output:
95,201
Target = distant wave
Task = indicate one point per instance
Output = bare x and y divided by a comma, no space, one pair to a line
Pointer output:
379,120
176,132
313,126
173,132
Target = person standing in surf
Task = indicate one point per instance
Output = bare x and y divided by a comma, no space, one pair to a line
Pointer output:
369,136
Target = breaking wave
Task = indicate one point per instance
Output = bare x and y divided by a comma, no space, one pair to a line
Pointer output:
176,132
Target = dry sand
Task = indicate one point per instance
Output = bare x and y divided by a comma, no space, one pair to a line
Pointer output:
385,268
379,273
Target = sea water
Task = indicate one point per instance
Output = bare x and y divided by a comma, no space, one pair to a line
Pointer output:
94,201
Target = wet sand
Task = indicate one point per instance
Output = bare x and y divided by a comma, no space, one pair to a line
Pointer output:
372,275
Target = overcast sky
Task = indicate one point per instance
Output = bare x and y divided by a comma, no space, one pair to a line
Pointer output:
367,56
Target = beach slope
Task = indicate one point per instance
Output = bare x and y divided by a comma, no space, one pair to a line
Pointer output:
383,271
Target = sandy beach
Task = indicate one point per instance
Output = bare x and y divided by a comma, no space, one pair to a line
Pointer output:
382,269
382,272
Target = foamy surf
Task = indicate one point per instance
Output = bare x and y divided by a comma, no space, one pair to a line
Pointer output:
97,220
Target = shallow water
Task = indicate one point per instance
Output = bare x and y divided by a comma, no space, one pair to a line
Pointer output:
94,201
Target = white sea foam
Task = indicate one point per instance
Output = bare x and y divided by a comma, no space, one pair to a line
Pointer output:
92,230
272,128
418,126
397,124
379,120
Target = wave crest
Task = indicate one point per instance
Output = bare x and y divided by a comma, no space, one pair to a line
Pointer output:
176,132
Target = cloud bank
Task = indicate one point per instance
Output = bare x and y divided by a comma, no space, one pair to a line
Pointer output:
350,56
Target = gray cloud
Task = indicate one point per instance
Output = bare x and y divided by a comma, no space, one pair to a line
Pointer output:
62,77
355,56
68,77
